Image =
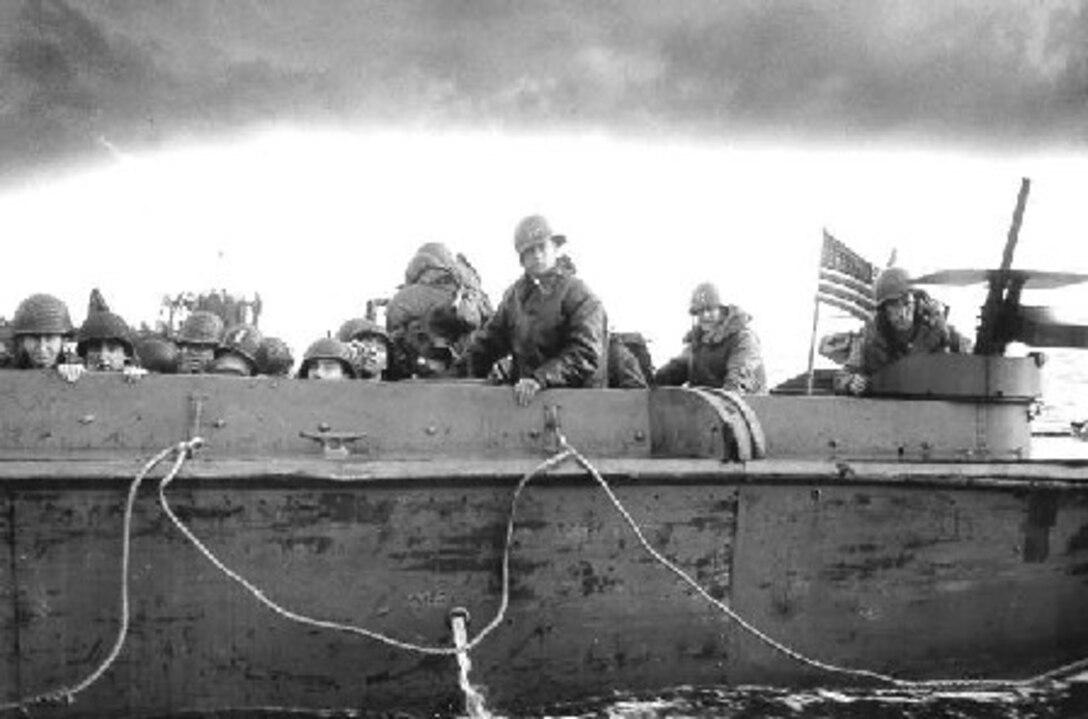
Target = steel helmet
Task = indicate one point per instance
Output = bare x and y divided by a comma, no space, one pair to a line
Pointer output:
704,296
274,357
42,314
157,354
892,283
432,255
533,230
360,327
327,348
201,328
104,326
243,340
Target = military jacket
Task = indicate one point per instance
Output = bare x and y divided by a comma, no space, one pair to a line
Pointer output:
554,327
726,356
881,345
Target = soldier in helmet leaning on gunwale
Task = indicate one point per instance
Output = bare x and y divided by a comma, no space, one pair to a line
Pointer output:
40,328
549,321
198,339
721,349
907,321
104,341
237,353
327,359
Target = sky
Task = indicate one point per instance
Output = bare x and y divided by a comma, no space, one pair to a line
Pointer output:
305,150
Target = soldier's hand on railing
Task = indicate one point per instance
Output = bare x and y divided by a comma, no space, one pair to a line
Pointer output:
525,390
71,372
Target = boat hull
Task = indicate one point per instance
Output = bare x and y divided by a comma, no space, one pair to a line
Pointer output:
914,574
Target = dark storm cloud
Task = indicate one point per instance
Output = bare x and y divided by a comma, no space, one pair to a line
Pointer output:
78,77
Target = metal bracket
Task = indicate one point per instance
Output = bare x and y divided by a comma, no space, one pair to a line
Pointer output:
334,445
196,415
552,426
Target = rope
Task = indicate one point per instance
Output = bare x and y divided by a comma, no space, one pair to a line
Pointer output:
66,695
1051,675
263,598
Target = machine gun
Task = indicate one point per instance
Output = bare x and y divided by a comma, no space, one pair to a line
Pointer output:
1003,319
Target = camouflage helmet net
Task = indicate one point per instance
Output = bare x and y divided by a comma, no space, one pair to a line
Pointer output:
201,328
244,340
104,326
157,354
274,357
359,327
42,314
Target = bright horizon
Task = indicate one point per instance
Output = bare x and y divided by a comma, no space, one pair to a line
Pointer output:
318,221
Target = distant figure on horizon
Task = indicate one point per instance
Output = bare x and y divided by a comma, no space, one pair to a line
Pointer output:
907,321
721,349
549,321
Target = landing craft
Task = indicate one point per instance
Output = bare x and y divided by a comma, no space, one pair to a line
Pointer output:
357,546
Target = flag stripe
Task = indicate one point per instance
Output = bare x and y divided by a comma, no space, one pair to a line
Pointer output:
863,301
849,307
836,278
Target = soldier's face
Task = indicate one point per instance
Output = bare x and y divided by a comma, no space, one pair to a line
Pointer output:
326,369
105,355
42,350
900,312
373,356
707,317
539,258
194,359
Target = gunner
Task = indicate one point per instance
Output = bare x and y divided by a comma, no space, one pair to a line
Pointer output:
907,321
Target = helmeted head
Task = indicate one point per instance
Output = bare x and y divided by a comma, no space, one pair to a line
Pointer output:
157,354
104,341
894,298
242,340
327,358
274,357
199,337
40,327
891,284
370,346
534,236
705,296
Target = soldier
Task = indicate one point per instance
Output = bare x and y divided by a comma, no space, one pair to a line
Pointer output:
7,344
157,354
198,339
721,349
369,345
104,340
907,321
432,315
40,328
237,354
274,358
551,323
327,358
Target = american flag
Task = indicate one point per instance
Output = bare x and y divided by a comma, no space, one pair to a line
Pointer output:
846,279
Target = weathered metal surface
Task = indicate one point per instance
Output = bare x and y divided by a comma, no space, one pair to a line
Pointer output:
102,414
961,375
9,651
589,608
916,582
911,430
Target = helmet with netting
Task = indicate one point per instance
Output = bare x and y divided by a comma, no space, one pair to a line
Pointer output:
157,354
104,326
243,340
201,328
42,314
274,357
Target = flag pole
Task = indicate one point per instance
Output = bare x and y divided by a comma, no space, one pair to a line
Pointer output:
815,322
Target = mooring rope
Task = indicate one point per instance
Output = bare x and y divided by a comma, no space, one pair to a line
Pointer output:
65,695
1051,675
263,598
